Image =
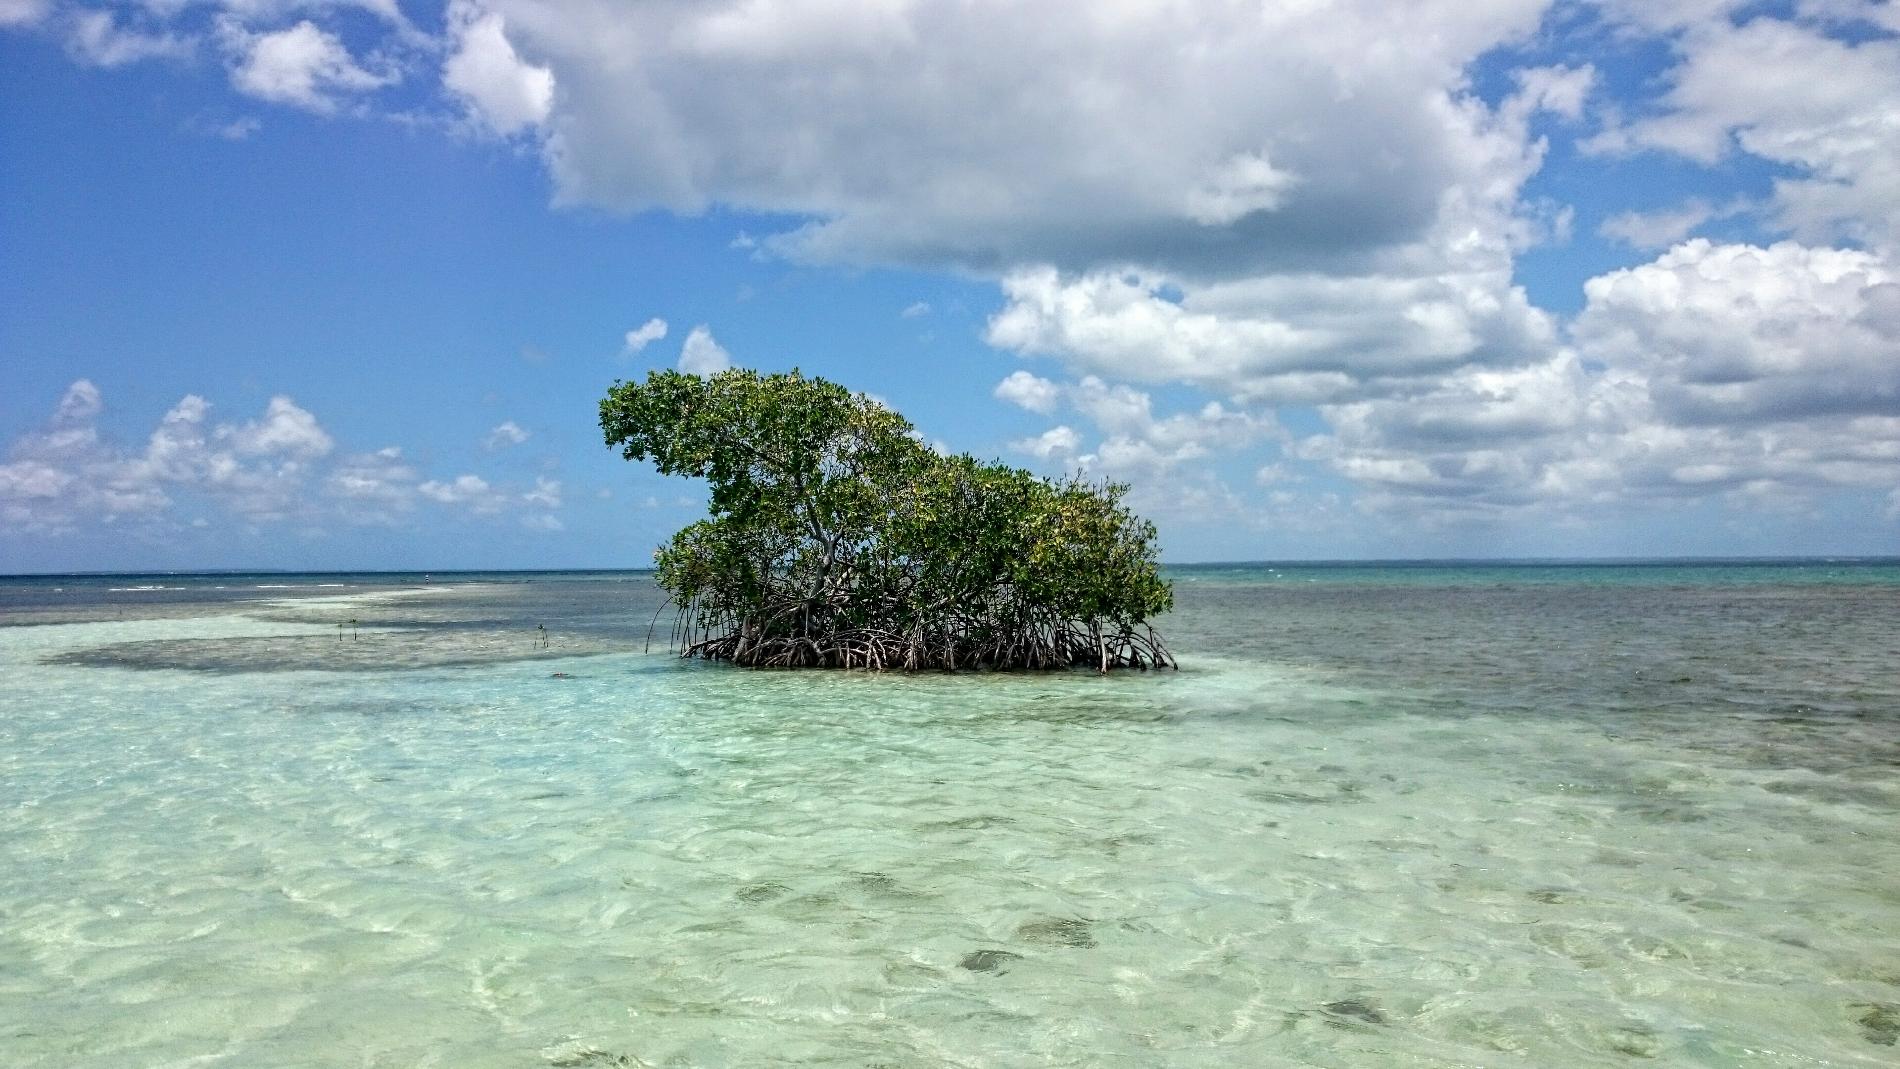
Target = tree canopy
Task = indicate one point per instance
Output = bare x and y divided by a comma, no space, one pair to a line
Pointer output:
837,539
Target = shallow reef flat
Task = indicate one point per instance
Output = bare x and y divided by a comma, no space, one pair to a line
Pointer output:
46,604
368,629
1371,822
364,651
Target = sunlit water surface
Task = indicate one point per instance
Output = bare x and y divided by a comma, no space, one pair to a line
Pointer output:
1561,816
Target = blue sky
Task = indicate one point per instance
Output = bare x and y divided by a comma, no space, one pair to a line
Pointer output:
339,285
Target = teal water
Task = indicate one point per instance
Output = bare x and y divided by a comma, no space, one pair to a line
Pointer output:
1416,815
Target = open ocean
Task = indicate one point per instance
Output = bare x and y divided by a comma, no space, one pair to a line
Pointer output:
1385,815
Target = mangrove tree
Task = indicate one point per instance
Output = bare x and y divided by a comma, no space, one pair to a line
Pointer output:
837,539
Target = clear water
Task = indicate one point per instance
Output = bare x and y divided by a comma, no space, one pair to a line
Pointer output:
1399,816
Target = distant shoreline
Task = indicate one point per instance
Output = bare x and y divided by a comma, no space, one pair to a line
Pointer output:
452,574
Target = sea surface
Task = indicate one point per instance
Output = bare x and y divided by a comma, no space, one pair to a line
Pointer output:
1396,815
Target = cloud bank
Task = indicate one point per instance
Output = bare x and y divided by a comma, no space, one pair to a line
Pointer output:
278,468
1203,217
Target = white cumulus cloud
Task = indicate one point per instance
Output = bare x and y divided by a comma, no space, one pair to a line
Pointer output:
644,335
471,491
304,65
1658,229
1029,391
701,355
23,12
995,135
500,90
505,434
1761,375
98,39
1742,333
68,473
275,468
375,487
1055,443
546,493
1790,92
285,429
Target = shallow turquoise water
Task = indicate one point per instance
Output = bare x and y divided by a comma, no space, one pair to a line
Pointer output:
1450,816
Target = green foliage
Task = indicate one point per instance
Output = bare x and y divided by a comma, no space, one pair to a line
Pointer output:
837,539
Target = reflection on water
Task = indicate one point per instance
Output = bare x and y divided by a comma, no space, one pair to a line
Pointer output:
1417,823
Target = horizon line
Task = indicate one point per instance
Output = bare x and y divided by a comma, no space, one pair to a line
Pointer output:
1816,558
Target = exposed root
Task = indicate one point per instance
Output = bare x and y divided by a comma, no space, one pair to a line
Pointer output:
797,639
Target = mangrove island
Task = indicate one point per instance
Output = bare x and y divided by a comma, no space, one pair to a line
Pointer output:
838,539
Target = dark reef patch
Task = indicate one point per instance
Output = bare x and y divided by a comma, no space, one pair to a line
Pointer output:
369,651
1879,1023
1057,931
1355,1009
993,961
